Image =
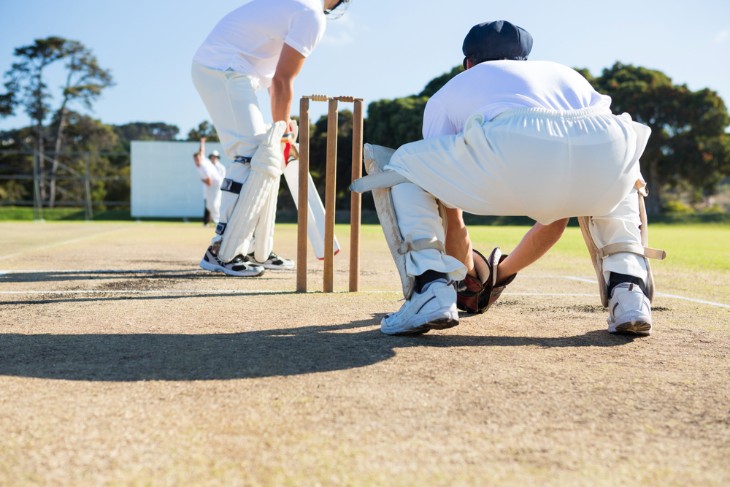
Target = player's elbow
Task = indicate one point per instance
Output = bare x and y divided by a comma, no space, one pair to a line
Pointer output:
557,227
282,83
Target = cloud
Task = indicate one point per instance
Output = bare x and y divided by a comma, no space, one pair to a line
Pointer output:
340,31
338,38
722,36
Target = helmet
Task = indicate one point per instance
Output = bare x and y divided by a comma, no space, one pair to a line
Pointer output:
346,3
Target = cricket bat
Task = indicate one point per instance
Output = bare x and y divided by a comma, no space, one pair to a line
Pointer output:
315,216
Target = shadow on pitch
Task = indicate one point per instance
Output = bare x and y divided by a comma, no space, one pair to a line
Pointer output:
245,355
104,274
141,298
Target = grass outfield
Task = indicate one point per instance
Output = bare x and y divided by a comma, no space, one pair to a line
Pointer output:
691,247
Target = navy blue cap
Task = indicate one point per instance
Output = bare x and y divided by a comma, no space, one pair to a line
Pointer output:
495,40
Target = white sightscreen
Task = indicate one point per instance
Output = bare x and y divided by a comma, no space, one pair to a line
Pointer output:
165,181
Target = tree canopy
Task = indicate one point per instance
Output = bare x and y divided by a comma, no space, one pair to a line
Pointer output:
27,87
204,129
145,131
689,148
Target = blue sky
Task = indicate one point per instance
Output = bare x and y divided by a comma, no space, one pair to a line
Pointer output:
379,49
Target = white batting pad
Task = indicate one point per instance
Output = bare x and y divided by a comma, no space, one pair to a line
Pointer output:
263,180
375,158
264,241
237,173
631,244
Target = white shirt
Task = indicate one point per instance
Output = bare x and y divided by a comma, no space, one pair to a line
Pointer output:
249,39
205,171
216,173
493,87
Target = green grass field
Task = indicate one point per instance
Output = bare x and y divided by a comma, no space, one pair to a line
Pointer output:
692,250
691,247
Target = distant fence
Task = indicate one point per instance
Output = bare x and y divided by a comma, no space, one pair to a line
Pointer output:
74,184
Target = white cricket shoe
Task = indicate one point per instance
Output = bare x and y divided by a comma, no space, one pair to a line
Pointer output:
275,262
629,311
239,266
432,309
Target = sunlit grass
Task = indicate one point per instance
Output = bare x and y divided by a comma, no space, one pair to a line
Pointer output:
690,247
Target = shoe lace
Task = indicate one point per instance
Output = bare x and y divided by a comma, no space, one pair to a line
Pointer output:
272,257
239,259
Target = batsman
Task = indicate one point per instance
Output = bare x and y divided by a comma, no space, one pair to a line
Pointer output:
510,136
262,44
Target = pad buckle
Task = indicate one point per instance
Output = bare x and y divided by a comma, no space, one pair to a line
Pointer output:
231,186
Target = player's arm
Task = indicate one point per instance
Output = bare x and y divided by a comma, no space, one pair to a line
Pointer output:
199,163
536,242
458,242
282,85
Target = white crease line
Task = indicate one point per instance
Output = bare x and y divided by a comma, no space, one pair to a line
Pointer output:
230,291
173,291
658,294
575,278
145,291
57,244
552,294
243,293
109,271
289,291
692,300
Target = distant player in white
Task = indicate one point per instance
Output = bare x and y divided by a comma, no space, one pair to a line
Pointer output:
515,137
212,173
214,190
262,44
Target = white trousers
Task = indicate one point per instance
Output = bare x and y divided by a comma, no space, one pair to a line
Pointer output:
539,163
213,202
231,101
232,104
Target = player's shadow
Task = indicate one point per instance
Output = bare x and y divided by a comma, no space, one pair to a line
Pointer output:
95,275
269,353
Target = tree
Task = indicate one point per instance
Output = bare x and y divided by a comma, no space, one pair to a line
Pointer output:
26,87
85,81
89,145
393,123
688,148
204,129
438,82
16,161
144,131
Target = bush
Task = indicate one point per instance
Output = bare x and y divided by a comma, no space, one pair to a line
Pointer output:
677,207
